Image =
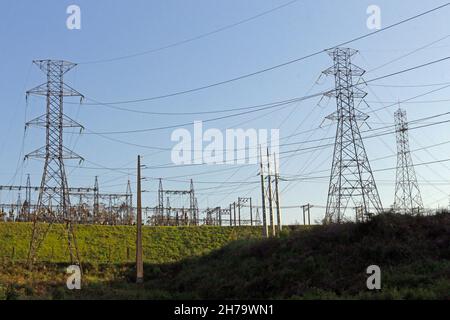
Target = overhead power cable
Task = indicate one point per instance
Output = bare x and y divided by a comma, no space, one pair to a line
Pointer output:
409,53
410,85
307,97
192,39
167,166
308,56
376,170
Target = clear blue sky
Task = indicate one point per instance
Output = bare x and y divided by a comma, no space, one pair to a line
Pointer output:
36,30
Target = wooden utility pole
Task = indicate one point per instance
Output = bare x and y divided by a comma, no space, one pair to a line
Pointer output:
239,211
251,212
304,215
234,212
307,210
309,214
263,196
277,196
139,259
272,220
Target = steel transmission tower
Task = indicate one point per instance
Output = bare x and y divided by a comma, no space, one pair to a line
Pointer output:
407,192
351,181
54,201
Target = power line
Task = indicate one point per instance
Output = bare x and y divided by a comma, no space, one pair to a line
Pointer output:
393,155
192,39
410,85
270,106
407,102
207,120
320,146
409,99
248,75
375,170
409,53
286,177
231,109
217,110
168,166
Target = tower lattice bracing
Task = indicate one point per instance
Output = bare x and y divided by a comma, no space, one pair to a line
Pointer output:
407,192
54,201
352,184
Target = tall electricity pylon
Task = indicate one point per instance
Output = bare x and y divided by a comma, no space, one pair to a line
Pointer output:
351,179
54,201
407,192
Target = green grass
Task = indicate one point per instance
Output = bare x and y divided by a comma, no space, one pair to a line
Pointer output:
116,244
326,262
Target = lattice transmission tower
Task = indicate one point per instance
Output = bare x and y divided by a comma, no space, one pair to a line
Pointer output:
54,200
351,181
407,193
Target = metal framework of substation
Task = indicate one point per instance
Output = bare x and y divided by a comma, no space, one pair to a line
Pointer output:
166,214
88,205
238,213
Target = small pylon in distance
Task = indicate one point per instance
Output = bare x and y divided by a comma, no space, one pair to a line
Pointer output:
408,199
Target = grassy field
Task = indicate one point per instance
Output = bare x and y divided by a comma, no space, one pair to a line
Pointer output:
326,262
116,244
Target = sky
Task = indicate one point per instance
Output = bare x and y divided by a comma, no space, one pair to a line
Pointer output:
117,61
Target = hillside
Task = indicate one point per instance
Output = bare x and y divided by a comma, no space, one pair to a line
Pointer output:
327,262
116,244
